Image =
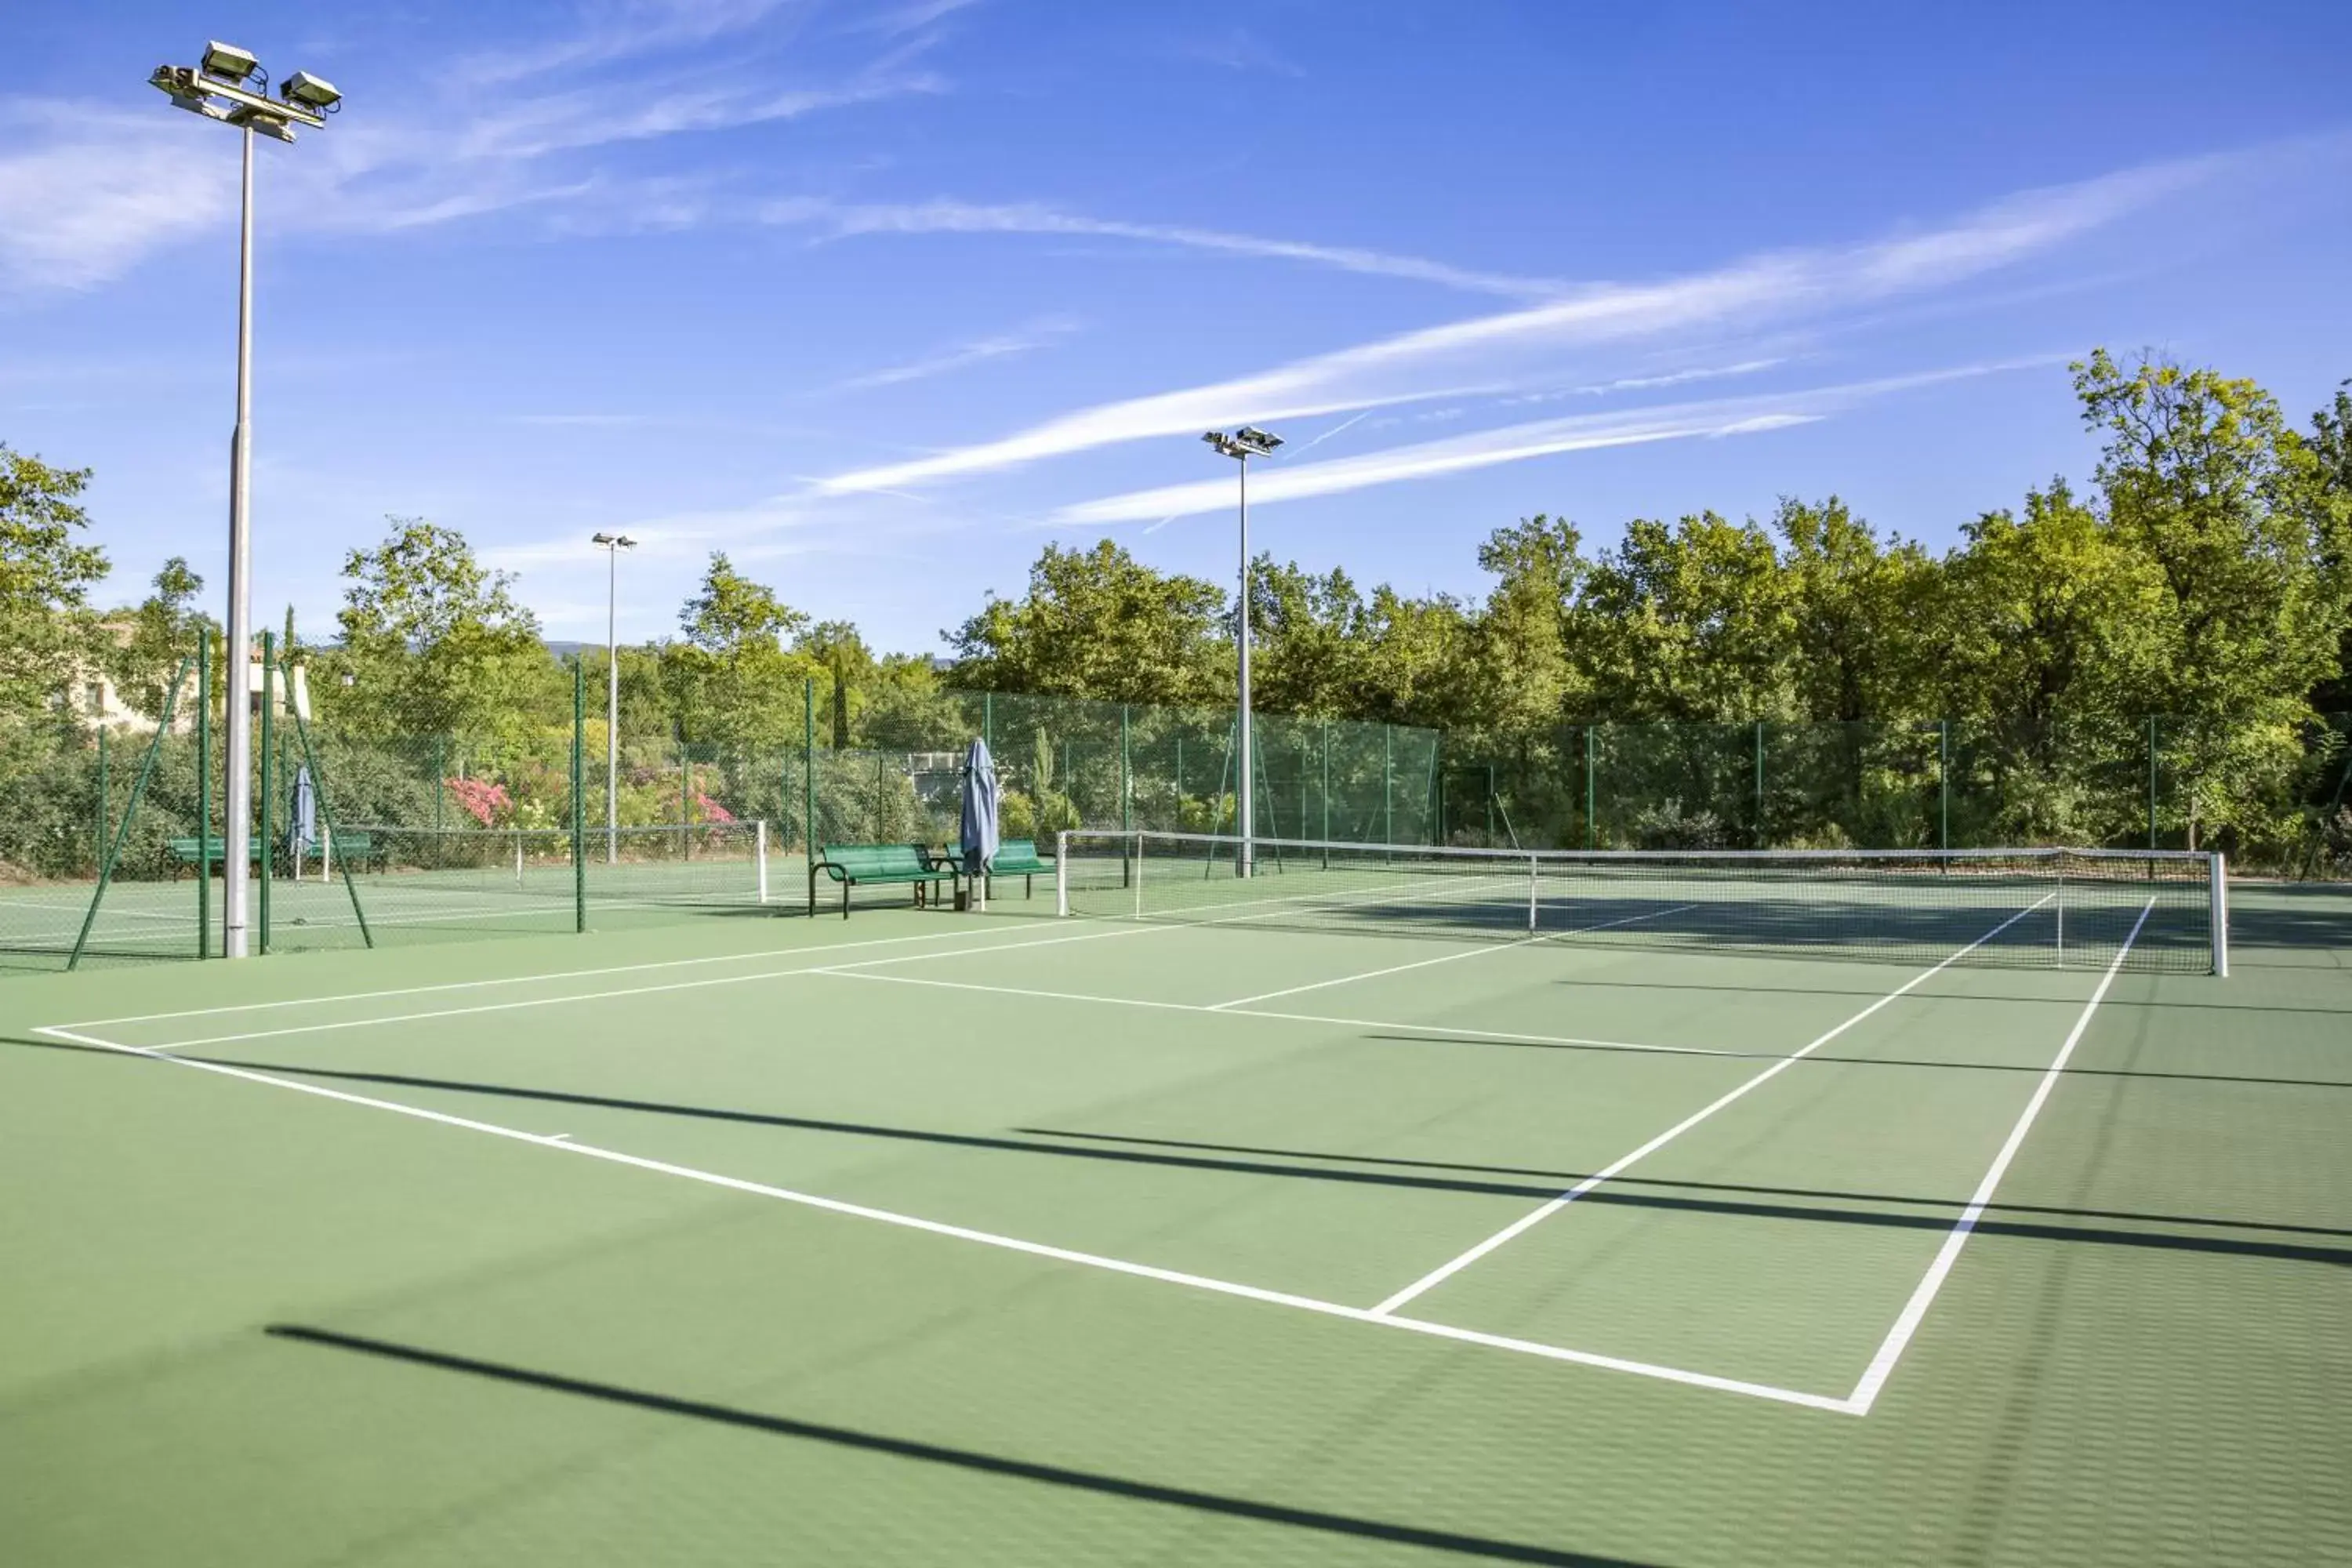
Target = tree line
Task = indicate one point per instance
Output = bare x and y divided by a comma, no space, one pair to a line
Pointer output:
2203,574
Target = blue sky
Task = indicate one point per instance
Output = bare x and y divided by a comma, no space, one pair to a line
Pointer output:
880,297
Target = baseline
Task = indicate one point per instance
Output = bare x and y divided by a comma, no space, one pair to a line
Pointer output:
563,1143
1528,1221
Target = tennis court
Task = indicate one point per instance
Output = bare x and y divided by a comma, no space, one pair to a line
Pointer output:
1351,1217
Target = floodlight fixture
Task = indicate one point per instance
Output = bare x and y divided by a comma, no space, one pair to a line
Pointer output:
1260,443
268,122
311,92
226,62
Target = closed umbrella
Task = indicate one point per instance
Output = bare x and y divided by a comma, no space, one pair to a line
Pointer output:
306,815
979,839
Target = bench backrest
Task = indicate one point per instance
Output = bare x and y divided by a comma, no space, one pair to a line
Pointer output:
1016,852
858,860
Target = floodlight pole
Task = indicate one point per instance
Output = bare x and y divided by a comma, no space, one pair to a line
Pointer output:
237,841
1242,446
230,86
1246,865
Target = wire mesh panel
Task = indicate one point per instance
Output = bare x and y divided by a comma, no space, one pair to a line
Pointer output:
2037,907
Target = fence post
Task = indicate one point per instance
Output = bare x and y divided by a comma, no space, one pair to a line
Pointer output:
205,795
579,787
1759,785
103,814
440,777
808,785
1592,830
1388,783
1943,784
1126,774
988,719
2152,781
1327,795
268,782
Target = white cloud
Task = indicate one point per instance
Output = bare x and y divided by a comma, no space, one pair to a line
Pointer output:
1504,352
1512,444
979,352
846,220
97,191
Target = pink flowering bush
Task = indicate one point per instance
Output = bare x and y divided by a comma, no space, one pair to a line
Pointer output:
480,799
709,810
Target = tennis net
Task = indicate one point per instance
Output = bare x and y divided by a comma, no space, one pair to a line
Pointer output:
2060,908
526,877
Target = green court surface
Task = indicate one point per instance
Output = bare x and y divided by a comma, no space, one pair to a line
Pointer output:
920,1238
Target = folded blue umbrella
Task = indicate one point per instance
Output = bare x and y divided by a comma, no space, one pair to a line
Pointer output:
979,840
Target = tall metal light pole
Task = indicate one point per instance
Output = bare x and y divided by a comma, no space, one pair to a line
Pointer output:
614,544
1244,443
229,85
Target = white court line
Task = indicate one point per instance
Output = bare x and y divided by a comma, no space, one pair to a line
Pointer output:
1449,958
816,951
1907,1324
562,1144
337,1024
1525,1222
1228,1011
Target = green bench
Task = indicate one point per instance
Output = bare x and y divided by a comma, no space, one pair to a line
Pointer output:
1018,857
183,852
360,848
874,864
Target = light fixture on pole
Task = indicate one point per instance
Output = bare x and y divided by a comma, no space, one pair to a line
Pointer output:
228,85
614,544
1244,443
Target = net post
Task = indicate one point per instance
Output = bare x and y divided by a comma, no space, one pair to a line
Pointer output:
1534,884
1139,874
760,854
2058,860
2217,896
1062,874
579,806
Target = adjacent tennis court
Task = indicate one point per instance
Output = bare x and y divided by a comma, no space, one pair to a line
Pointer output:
1410,1208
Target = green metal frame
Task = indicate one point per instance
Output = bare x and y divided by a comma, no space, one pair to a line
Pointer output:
327,826
130,813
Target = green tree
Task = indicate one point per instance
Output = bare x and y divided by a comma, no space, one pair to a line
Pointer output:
161,632
2202,475
1523,676
739,687
437,644
1099,624
1691,621
45,573
839,653
1307,638
1856,606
